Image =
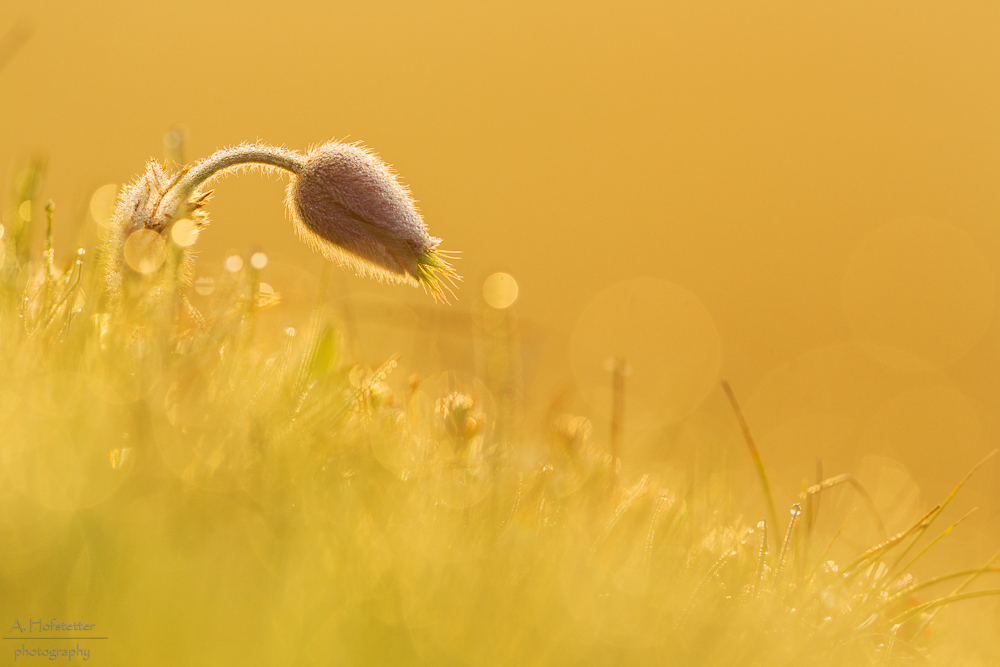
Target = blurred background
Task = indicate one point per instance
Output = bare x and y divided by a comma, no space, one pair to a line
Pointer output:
800,198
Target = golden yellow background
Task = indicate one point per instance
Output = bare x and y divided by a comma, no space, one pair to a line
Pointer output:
800,197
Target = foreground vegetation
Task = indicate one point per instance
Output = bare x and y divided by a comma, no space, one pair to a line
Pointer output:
208,491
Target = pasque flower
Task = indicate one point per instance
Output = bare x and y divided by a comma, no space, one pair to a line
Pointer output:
344,201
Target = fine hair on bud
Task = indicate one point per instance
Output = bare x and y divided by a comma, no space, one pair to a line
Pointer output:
343,200
349,205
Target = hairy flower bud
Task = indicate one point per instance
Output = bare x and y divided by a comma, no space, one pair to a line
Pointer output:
349,205
344,201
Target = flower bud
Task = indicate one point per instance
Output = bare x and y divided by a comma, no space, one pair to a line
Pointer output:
344,201
349,205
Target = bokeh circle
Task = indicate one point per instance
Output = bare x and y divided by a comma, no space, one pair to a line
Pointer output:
667,338
918,294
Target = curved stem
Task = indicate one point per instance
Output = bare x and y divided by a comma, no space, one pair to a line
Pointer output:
232,157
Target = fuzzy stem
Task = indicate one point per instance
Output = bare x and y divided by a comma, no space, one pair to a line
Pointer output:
232,157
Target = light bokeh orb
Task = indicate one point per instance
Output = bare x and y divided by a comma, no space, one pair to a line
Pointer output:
937,418
102,203
204,285
665,335
258,260
234,264
184,233
500,290
145,251
918,294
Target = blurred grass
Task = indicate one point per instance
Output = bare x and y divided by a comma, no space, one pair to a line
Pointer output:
210,490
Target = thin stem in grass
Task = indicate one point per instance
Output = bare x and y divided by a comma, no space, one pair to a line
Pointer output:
50,255
812,503
890,543
848,478
56,290
754,454
711,574
832,541
619,370
629,498
779,568
69,286
889,646
957,593
758,579
938,604
941,507
928,547
654,522
898,597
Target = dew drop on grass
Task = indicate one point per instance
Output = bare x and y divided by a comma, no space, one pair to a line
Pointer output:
258,260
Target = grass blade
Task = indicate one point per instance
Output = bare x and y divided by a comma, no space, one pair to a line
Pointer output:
754,454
